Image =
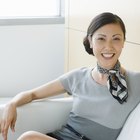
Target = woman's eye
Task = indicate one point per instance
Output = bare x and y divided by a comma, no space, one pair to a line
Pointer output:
117,39
101,39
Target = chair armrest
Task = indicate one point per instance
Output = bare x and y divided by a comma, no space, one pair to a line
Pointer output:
42,116
131,129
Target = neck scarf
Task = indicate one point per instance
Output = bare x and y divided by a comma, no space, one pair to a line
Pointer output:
116,82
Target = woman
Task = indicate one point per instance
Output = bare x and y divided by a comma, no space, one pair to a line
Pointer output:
103,96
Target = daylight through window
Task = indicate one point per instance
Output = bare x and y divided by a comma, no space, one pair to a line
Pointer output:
29,8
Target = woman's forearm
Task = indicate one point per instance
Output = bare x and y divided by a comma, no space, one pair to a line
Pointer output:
22,98
47,90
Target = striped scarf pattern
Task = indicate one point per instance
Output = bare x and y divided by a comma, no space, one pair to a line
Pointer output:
116,82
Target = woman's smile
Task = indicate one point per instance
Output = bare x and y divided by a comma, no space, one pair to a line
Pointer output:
108,55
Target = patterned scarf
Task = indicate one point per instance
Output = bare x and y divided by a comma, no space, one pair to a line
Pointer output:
116,82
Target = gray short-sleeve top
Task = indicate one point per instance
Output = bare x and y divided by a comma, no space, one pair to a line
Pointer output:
95,113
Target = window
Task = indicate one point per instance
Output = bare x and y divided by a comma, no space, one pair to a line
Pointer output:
30,11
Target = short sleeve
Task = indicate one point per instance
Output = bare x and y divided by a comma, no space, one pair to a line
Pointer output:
70,80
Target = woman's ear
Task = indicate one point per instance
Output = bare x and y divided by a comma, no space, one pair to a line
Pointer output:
90,41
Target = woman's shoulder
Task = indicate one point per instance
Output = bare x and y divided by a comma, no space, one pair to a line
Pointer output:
81,70
133,75
79,73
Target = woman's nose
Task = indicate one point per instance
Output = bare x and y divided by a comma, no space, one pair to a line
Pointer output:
109,44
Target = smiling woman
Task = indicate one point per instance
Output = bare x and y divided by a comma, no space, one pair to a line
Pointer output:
107,43
101,92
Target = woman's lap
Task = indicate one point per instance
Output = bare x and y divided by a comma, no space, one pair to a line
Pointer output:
63,134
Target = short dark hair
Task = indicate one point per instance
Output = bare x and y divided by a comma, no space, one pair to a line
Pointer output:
99,21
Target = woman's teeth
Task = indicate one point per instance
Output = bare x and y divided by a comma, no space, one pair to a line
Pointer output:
108,55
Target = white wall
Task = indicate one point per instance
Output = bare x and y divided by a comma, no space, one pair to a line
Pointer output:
30,56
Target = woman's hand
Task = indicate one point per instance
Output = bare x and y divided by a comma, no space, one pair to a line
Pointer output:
9,117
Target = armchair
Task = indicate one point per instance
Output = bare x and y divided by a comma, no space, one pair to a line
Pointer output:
43,116
50,114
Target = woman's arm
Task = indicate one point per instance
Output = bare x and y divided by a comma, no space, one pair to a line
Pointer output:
47,90
10,114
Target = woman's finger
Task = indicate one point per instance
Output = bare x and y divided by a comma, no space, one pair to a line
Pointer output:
12,126
5,127
13,123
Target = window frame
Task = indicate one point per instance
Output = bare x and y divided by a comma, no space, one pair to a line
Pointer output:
35,20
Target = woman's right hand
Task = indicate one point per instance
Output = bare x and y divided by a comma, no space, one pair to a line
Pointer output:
8,119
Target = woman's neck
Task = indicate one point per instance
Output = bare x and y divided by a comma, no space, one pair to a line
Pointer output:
99,77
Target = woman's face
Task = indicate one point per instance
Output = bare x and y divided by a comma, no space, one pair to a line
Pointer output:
107,43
